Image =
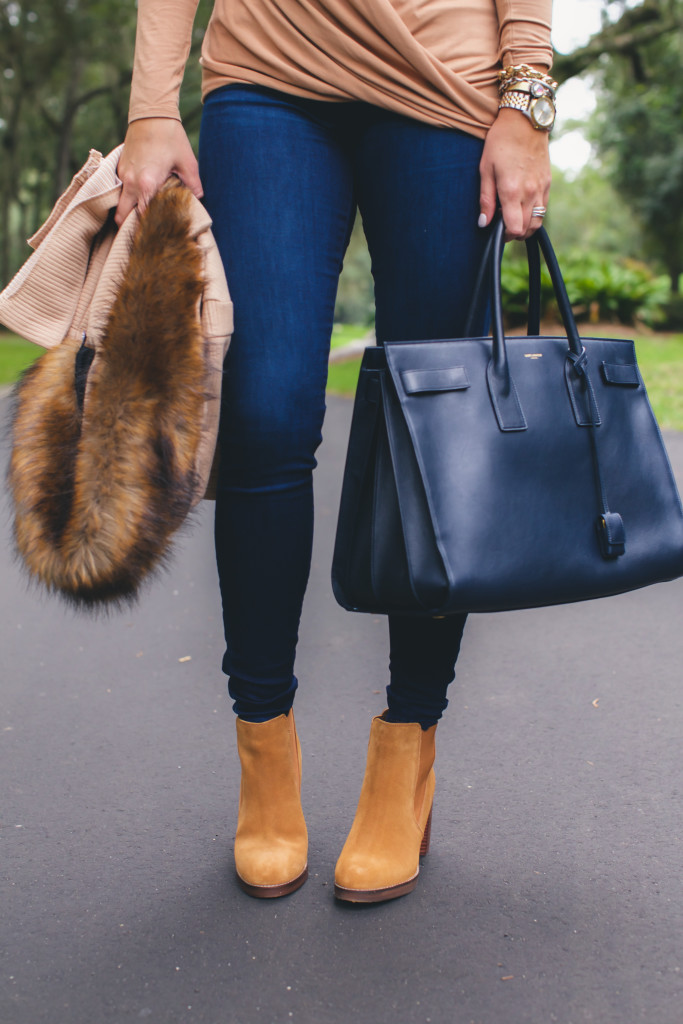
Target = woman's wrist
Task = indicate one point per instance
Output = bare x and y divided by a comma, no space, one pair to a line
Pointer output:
531,92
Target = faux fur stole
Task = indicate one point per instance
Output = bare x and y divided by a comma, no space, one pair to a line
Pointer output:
105,440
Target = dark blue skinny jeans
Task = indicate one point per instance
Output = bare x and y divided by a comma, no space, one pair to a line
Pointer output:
282,178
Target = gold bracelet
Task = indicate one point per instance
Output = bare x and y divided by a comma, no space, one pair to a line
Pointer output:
509,76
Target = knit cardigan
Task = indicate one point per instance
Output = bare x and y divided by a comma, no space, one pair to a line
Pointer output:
114,427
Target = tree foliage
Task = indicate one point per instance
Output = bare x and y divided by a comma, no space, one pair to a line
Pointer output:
65,70
625,29
587,213
638,132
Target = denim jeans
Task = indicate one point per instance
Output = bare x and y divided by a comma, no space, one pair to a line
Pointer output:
282,178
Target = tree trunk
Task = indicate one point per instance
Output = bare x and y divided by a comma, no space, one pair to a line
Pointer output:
10,186
4,237
71,105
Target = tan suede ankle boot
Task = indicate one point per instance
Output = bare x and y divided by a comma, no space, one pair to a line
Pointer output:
381,857
271,842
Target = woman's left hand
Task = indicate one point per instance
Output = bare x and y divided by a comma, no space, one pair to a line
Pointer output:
515,169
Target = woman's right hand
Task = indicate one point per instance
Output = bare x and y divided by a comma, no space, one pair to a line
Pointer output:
154,149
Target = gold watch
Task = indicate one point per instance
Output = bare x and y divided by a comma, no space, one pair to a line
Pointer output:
534,99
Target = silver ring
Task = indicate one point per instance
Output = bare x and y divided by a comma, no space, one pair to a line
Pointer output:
539,211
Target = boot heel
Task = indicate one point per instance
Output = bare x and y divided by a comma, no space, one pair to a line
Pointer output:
426,838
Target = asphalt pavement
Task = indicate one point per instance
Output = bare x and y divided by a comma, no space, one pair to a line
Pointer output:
552,892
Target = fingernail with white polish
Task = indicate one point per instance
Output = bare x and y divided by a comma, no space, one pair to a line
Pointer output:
482,220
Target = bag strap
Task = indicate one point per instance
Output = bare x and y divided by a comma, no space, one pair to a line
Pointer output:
534,262
609,525
477,293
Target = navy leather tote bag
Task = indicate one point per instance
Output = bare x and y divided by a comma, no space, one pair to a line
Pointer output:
493,473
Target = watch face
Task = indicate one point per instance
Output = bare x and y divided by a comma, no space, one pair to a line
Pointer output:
543,113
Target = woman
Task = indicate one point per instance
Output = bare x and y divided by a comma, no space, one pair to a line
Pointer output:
312,108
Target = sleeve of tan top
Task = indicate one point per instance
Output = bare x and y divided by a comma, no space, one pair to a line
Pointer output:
525,31
162,46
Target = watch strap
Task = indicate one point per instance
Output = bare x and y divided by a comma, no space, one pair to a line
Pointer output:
515,99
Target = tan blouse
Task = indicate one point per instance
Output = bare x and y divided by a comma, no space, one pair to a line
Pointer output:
434,60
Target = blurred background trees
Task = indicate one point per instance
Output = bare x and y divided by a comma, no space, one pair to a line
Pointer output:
65,73
637,131
621,218
65,69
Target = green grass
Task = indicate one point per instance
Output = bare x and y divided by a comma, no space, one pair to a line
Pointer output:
343,333
660,359
661,365
342,378
15,355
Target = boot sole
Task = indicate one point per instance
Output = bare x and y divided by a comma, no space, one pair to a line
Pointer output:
393,891
374,895
270,892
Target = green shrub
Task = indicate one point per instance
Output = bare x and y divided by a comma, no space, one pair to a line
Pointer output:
514,278
626,291
599,288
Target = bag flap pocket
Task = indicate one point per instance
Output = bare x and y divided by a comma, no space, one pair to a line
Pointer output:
448,378
625,374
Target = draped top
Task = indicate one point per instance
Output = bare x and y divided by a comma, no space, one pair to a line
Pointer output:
434,60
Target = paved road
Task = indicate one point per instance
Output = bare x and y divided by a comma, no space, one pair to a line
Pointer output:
553,889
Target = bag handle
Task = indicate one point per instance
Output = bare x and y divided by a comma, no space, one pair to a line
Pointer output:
538,240
534,261
490,267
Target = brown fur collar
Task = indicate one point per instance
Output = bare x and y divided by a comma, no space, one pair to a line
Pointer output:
99,493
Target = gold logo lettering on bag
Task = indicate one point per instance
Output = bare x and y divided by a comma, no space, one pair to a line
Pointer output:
533,355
